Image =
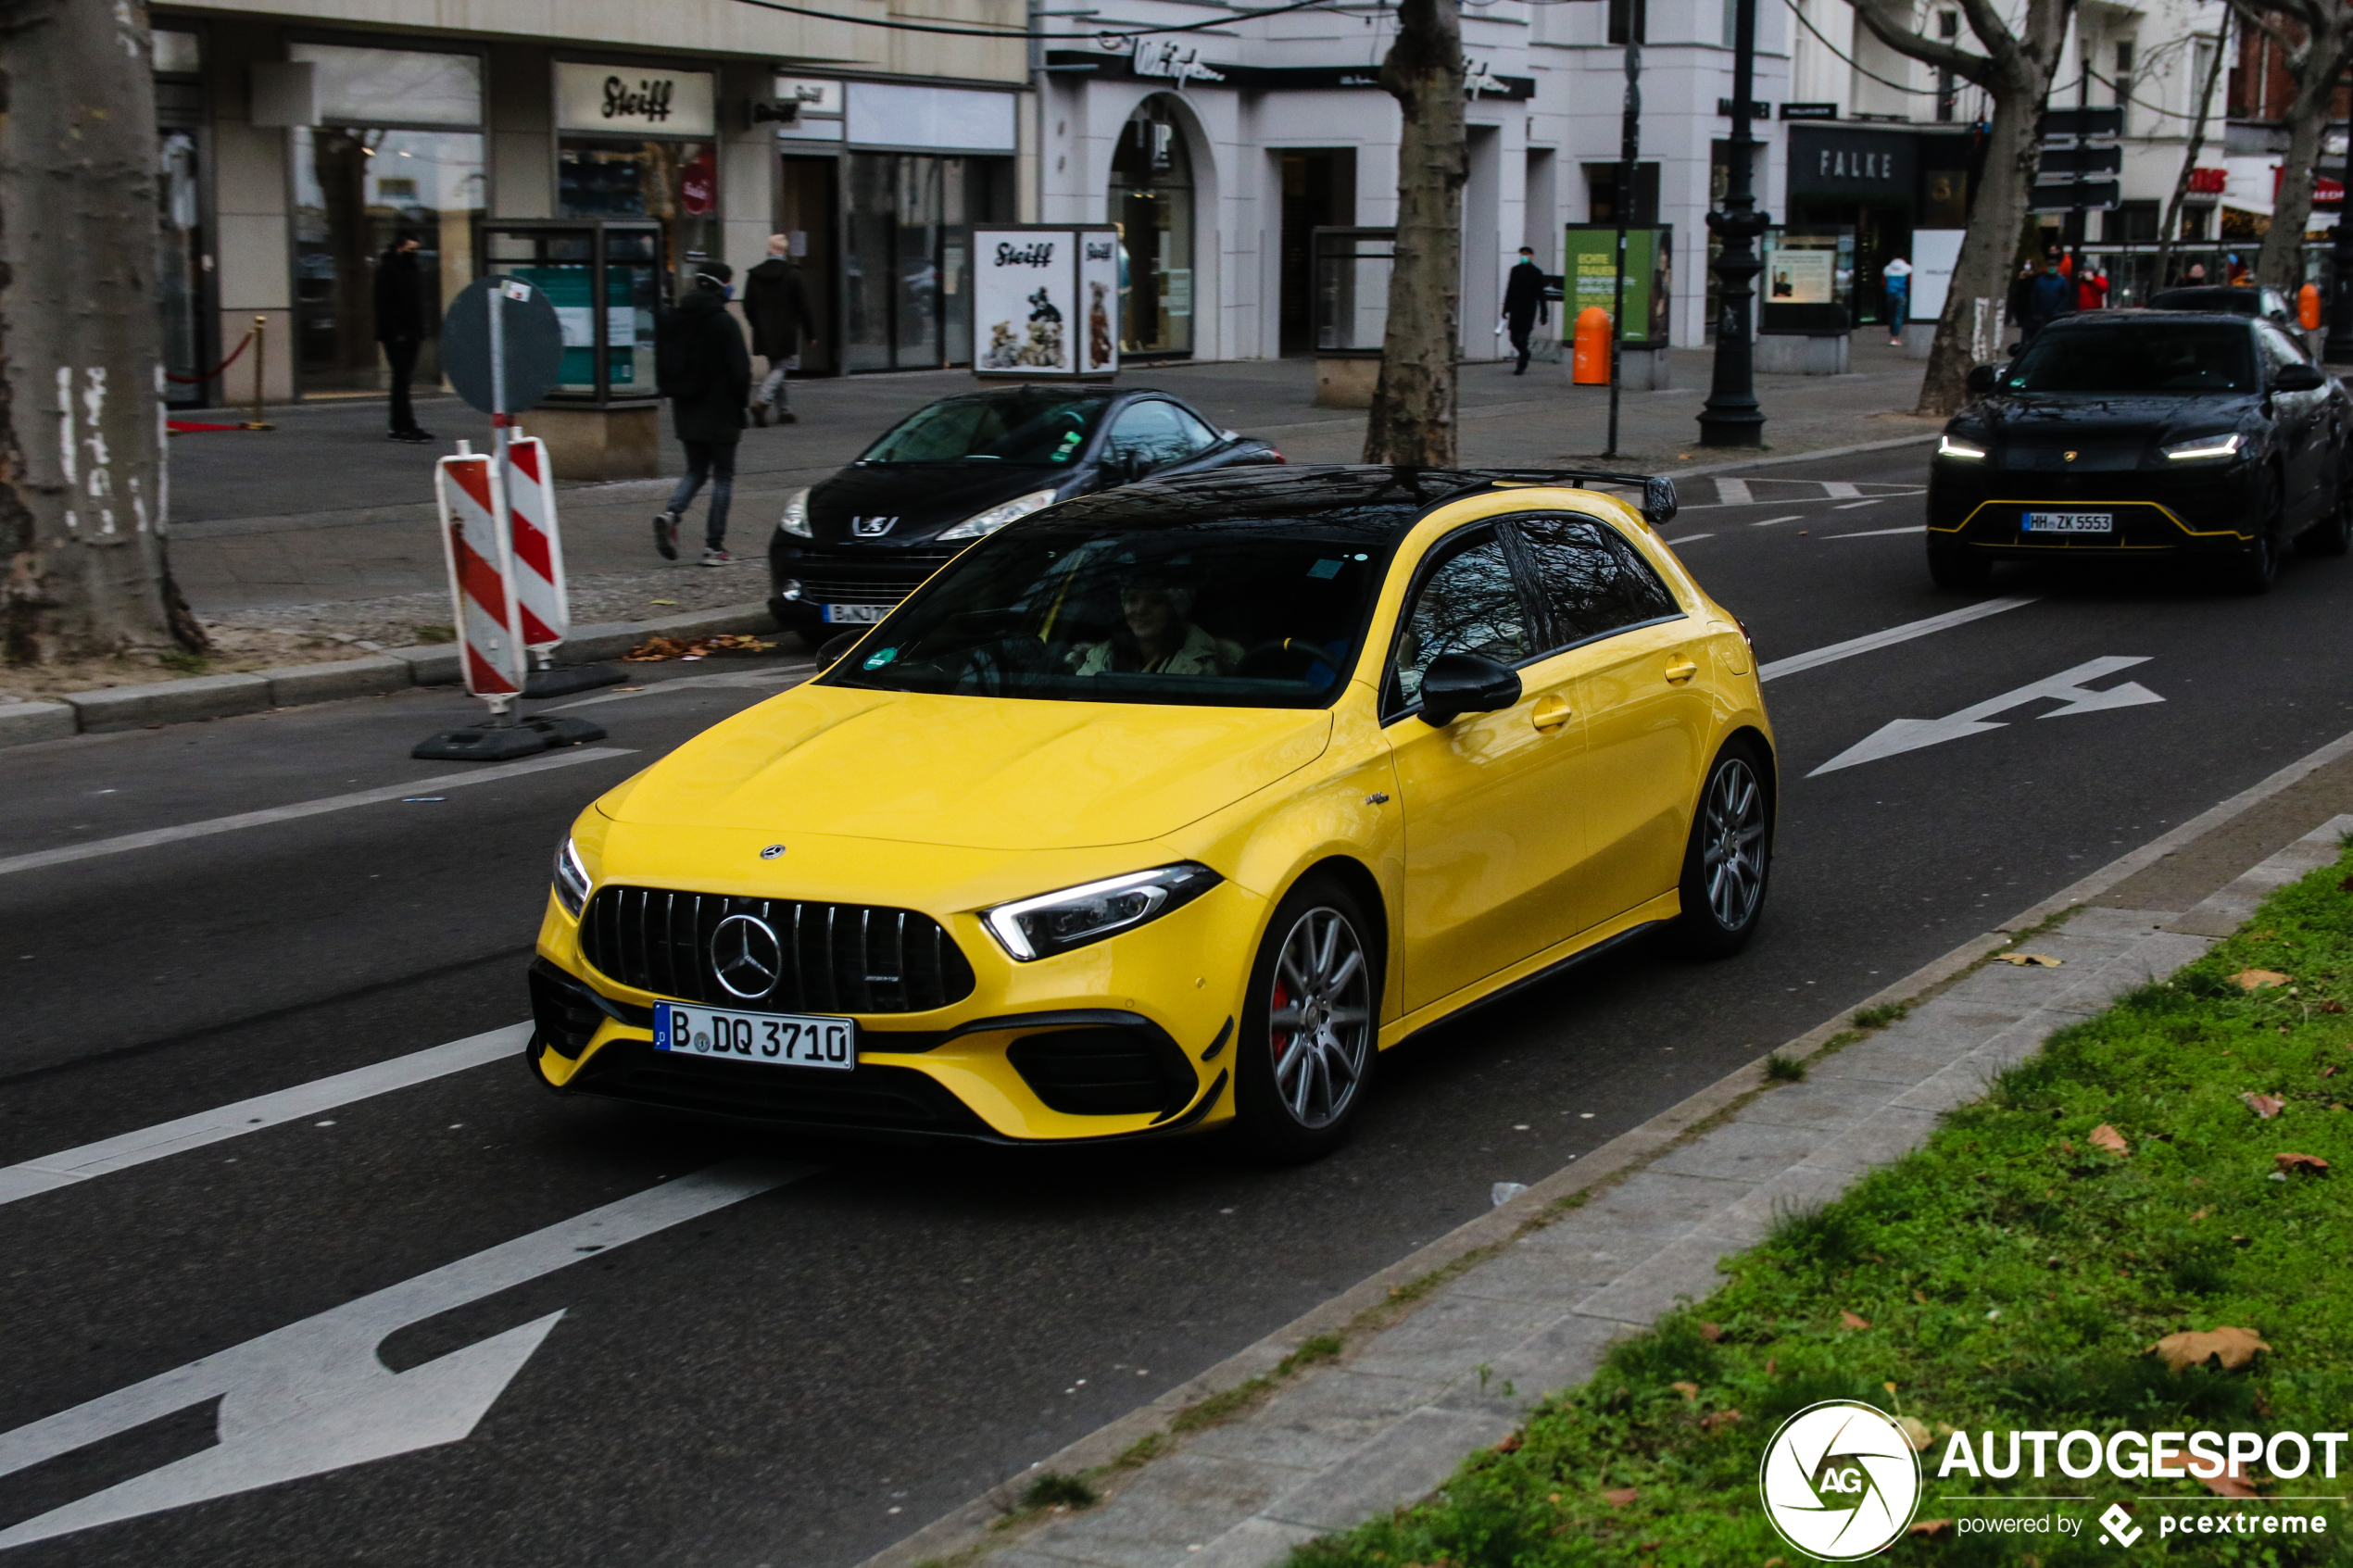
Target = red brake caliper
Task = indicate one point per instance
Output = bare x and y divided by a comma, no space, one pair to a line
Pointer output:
1276,1036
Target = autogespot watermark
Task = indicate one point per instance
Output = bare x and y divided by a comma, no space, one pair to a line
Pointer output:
1840,1480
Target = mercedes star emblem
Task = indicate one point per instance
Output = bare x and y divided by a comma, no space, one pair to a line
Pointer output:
2071,457
747,955
772,851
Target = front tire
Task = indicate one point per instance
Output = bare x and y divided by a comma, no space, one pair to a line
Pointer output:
1730,857
2258,567
1311,1024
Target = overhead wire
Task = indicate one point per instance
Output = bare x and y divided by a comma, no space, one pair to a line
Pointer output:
1117,30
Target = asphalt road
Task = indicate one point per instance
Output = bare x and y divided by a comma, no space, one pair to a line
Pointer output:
801,1366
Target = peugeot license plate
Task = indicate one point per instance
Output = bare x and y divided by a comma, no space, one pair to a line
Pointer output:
2070,522
855,615
778,1039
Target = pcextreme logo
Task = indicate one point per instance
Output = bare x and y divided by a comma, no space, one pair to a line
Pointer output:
1839,1480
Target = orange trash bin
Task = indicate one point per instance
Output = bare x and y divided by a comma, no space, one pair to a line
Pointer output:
1590,364
2308,307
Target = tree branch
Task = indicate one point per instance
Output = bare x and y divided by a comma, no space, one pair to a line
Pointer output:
1919,47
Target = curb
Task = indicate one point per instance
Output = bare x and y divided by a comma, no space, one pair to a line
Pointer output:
157,703
968,1528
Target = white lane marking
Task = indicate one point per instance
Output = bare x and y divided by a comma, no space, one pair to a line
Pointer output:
1793,516
315,1396
1690,538
1879,533
1850,505
299,808
1873,640
1838,489
1910,734
1731,492
762,677
121,1152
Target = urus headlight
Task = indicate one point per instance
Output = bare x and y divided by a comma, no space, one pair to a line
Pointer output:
572,878
2203,447
1056,922
1954,447
796,517
996,517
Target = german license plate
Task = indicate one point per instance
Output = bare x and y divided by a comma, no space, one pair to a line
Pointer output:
777,1039
2071,522
855,615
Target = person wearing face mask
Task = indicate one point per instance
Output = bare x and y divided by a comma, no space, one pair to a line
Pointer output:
705,370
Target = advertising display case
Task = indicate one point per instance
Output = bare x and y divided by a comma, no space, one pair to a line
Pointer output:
604,278
1044,301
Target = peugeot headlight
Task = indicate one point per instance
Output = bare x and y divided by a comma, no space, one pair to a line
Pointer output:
2203,449
996,517
796,517
1954,447
1056,922
572,878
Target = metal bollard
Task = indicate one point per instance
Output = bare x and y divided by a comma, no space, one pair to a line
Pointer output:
260,359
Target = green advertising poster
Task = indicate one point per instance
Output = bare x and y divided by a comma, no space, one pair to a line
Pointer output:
1588,276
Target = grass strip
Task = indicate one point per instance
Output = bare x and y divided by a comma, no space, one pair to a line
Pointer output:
2011,1273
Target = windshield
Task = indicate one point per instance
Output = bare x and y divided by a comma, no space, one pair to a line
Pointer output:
1035,428
1209,616
2184,359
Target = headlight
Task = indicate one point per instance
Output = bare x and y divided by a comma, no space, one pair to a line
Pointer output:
572,878
2203,446
796,517
1056,922
996,518
1953,446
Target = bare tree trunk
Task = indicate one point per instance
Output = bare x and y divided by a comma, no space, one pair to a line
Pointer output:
2170,229
80,366
1413,415
2280,264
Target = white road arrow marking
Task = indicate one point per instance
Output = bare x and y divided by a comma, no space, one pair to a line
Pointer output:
314,1396
1910,734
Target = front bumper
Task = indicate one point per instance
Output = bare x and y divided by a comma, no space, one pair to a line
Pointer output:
1132,1036
804,577
2187,512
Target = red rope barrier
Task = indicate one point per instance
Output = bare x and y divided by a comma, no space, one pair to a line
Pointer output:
193,381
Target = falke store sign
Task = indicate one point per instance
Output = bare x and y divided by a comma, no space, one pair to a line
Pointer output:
629,98
1823,162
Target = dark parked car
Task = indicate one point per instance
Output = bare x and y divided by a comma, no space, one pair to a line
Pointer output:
850,548
2270,304
2138,433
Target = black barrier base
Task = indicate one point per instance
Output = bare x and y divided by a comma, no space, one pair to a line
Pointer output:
505,743
575,678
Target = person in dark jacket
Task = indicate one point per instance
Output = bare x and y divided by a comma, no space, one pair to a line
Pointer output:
2049,296
706,373
1524,304
777,308
400,327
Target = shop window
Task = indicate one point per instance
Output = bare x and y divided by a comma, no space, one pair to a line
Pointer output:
178,54
359,190
1629,22
1601,194
1152,203
180,277
2132,223
675,182
393,86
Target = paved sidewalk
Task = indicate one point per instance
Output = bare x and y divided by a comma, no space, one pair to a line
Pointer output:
1391,1420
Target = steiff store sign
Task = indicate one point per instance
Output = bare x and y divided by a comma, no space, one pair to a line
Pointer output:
1855,165
635,100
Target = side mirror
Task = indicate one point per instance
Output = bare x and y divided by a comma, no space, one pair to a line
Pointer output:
2298,378
1129,466
1983,380
830,654
1658,500
1456,683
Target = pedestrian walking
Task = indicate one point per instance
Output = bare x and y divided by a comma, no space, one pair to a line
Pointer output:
1524,304
777,305
2048,298
1898,274
400,328
702,367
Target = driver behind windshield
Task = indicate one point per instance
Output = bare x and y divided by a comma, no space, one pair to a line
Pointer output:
1156,637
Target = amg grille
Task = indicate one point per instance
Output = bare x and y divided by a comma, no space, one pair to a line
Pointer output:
833,957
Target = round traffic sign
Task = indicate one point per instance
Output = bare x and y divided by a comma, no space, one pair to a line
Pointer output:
533,345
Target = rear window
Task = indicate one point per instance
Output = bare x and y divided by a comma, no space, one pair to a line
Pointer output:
1040,430
2182,358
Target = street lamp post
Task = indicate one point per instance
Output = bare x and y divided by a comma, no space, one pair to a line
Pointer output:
1630,152
1731,417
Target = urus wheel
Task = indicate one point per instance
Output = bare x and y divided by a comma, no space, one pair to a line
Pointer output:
1310,1027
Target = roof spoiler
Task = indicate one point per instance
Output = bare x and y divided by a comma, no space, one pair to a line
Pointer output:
1658,491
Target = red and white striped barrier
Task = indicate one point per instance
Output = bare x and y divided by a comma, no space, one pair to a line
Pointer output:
537,545
482,577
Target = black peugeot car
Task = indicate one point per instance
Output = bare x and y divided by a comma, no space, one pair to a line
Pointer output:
850,548
2141,433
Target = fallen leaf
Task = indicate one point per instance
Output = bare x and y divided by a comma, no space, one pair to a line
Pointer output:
1851,1320
1554,1497
1769,1366
2106,1137
672,603
1711,1332
1713,1419
2308,1164
1620,1496
2328,1071
2234,1348
1510,1445
2066,1147
1689,1390
1930,1526
1920,1295
2232,1482
2199,1215
654,649
1914,1432
2332,1005
2258,979
1775,1562
2042,961
2265,1106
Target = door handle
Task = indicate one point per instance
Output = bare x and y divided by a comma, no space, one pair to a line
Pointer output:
1679,674
1548,714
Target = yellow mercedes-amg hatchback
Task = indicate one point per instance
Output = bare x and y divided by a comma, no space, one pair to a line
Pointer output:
1173,807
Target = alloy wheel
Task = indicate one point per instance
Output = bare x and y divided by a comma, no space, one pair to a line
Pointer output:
1319,1019
1732,850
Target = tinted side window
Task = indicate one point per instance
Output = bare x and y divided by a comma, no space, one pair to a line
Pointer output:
1468,605
1589,581
2279,350
1160,433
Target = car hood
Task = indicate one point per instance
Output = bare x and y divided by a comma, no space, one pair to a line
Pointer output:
2028,432
921,498
970,773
